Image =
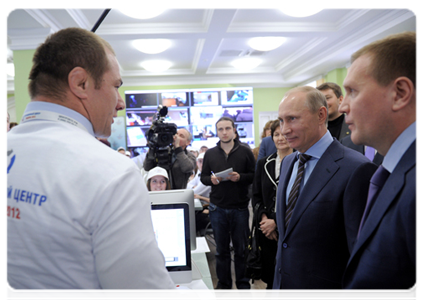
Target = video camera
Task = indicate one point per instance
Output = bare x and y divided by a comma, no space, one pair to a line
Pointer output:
160,138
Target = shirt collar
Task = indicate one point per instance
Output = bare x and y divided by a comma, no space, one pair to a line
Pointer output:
398,148
57,108
316,151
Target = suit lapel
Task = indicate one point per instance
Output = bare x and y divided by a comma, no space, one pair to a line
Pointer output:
324,170
387,195
286,170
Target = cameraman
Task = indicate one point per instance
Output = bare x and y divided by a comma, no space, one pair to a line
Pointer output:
183,162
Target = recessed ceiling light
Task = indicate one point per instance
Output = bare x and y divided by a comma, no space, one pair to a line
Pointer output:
10,69
266,43
246,63
151,46
144,13
300,11
156,66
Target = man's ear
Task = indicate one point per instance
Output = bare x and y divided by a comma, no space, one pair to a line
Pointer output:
323,113
403,91
77,80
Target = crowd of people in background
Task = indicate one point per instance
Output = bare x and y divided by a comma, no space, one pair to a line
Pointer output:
309,184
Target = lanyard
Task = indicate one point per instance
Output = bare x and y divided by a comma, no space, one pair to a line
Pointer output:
51,116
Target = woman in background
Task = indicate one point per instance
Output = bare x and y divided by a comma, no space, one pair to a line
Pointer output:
264,200
158,180
266,129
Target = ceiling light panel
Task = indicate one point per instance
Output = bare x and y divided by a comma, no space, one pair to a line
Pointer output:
266,43
156,66
246,63
152,46
300,11
144,13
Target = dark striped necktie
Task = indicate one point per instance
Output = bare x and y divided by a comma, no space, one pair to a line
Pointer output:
293,194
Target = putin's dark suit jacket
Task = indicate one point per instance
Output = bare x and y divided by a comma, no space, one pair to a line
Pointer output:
314,249
347,142
384,256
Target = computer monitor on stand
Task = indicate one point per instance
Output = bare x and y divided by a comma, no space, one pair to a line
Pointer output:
173,216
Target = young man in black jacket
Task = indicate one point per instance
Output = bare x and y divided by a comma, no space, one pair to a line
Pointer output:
229,199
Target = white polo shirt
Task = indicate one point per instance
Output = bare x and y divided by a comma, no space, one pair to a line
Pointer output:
78,212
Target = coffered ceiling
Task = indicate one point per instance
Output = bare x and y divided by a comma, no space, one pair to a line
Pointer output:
206,41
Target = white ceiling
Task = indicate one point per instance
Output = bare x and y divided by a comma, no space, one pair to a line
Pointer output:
205,41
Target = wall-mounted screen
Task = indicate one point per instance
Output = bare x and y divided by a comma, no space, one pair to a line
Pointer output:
140,117
195,109
171,99
141,100
136,136
179,116
239,114
205,98
246,132
203,132
237,97
205,115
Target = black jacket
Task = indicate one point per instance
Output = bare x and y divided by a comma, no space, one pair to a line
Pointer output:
228,194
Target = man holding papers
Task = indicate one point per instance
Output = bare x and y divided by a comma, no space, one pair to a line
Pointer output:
229,201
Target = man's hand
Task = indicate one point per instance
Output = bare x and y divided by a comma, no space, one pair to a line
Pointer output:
176,141
215,180
233,176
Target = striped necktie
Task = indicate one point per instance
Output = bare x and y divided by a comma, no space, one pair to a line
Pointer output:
293,194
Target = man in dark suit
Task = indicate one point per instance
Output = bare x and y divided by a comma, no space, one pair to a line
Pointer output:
377,157
380,107
317,228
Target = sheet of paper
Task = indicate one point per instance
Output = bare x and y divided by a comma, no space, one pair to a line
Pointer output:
202,246
224,174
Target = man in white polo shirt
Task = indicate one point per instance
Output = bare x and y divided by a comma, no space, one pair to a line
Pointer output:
78,215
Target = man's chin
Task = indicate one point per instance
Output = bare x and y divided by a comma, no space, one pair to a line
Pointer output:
356,139
226,141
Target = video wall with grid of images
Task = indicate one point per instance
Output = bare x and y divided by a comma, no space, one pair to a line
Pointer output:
196,110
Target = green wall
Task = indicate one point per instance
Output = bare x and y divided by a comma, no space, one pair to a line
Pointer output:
23,64
265,99
337,76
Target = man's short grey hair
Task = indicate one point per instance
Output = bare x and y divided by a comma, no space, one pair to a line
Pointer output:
314,98
189,137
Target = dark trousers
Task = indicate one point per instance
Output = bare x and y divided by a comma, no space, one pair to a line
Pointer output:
230,224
